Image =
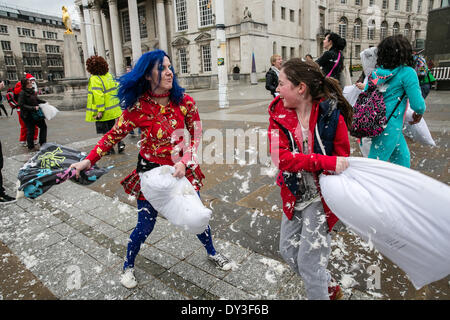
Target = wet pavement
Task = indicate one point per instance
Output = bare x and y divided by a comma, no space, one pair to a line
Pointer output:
88,227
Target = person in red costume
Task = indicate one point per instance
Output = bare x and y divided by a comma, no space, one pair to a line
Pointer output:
157,105
308,135
23,127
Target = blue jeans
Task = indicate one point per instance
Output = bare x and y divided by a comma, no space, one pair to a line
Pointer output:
146,221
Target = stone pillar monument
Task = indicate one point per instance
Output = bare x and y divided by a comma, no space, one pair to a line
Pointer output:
75,81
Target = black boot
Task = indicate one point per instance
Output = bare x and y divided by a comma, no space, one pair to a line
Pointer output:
121,147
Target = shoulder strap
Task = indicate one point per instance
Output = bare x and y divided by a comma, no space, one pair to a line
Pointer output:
335,65
398,103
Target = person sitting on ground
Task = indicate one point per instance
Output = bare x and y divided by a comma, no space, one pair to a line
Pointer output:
158,105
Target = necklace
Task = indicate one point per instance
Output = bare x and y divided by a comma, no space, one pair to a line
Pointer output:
163,95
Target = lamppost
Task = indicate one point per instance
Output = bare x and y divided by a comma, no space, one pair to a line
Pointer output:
351,56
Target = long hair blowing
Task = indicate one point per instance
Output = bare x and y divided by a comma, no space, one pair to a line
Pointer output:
319,86
134,83
394,51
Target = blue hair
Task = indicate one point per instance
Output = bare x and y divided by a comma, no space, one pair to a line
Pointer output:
134,84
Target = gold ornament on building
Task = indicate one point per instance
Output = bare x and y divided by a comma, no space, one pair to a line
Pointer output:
67,21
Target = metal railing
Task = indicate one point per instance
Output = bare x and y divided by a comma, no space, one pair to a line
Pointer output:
441,73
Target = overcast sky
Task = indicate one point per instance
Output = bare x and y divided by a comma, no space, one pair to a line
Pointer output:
50,7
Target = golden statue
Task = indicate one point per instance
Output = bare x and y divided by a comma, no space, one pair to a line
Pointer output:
67,21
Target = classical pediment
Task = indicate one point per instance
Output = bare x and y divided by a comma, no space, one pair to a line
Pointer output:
203,37
181,41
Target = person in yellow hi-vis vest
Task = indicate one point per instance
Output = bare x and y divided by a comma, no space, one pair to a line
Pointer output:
103,106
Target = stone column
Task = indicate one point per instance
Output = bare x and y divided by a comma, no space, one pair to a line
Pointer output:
98,30
161,15
83,34
117,39
109,55
134,30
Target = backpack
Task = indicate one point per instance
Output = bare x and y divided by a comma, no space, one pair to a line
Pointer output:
420,67
11,97
369,113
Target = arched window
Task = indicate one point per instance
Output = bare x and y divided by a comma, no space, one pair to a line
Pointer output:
343,23
396,28
357,29
371,30
274,50
384,30
273,10
407,32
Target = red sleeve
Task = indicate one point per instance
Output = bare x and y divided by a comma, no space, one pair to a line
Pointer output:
116,134
194,127
286,160
341,140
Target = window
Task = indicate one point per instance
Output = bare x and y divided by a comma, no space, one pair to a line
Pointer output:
283,13
385,4
142,22
300,17
397,4
206,58
396,28
292,15
407,31
49,35
3,29
183,60
430,5
9,61
51,49
343,1
54,62
371,30
6,45
31,61
357,2
419,6
274,48
284,52
408,5
126,26
11,75
180,13
343,27
273,10
28,47
371,3
383,30
292,52
357,50
206,15
357,29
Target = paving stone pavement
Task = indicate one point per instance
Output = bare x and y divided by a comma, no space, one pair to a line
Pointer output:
74,243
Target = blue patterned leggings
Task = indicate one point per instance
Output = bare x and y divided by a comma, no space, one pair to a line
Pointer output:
146,221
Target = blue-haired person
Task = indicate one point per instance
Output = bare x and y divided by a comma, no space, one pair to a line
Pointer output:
157,105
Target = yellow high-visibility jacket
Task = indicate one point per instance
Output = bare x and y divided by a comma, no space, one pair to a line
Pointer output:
102,91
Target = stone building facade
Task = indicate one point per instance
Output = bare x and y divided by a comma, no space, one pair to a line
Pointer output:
31,43
123,29
364,23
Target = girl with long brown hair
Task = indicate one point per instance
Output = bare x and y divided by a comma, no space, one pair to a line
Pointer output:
308,134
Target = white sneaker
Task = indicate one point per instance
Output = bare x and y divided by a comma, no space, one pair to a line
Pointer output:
221,261
128,280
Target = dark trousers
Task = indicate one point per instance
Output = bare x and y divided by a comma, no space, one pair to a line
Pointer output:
3,108
425,88
2,190
31,123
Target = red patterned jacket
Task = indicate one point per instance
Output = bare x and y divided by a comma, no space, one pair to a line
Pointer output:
162,139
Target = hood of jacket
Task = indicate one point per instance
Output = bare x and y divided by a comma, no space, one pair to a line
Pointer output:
381,76
369,60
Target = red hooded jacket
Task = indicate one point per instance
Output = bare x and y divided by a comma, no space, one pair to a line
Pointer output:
286,160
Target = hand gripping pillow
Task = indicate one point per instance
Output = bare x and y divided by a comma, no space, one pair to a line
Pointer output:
403,213
176,199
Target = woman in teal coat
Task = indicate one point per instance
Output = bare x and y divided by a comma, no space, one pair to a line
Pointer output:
394,77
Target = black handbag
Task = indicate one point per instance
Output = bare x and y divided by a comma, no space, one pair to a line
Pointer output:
37,114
